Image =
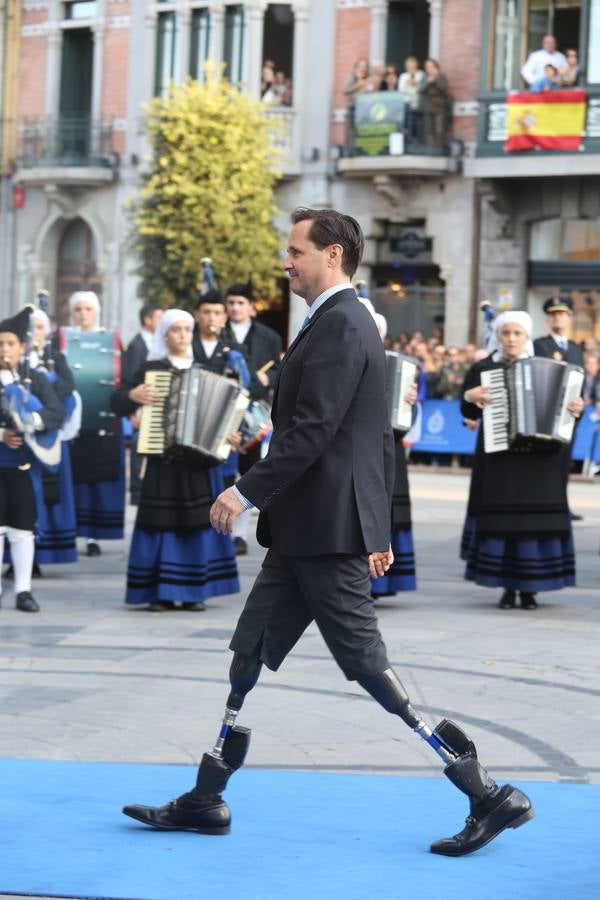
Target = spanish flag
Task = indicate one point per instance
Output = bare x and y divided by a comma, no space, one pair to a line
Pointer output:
552,120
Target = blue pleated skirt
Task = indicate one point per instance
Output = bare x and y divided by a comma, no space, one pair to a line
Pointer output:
100,506
402,574
181,567
522,564
56,531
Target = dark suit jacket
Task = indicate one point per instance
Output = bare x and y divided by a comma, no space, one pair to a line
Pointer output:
134,357
547,346
326,484
261,344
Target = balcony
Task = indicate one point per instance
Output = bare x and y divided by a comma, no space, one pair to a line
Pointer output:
492,161
387,138
70,150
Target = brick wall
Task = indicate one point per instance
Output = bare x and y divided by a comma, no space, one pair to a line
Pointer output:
353,35
460,57
32,64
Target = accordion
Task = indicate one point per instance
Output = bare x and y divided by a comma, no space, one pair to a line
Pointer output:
197,410
401,375
529,403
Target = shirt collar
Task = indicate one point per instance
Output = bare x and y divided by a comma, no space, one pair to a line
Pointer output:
320,300
148,338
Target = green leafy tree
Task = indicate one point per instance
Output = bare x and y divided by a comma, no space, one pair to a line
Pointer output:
208,192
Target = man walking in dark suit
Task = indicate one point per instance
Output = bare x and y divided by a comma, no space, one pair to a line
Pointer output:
131,362
263,349
324,493
557,345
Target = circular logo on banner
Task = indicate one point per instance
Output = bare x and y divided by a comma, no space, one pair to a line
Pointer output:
436,422
378,112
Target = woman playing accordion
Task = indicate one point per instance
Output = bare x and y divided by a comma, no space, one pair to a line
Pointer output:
517,533
175,556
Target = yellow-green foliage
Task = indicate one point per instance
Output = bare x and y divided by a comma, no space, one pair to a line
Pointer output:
209,192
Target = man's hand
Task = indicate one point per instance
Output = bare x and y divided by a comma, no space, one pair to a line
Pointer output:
225,511
12,438
379,562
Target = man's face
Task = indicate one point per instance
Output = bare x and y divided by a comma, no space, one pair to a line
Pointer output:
549,43
470,350
211,319
85,315
307,267
239,309
151,322
559,321
11,350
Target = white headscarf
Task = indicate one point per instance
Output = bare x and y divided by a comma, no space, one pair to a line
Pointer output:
159,346
515,317
88,296
41,316
380,320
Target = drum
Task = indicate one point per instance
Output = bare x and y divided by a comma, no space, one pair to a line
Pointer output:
256,425
95,360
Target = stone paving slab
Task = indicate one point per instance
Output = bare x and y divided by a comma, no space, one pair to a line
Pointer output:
89,679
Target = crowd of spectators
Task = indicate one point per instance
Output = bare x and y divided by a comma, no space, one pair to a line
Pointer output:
275,86
443,367
548,69
428,103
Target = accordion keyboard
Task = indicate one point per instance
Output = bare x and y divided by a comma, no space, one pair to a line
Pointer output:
152,437
495,415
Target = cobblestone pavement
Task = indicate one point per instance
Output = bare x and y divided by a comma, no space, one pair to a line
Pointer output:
89,679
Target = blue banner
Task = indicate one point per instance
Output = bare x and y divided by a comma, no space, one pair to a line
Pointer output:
587,436
439,429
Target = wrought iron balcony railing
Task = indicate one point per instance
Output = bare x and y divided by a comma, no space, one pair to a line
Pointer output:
67,141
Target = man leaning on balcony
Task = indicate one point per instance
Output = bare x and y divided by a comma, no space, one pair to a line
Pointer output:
533,69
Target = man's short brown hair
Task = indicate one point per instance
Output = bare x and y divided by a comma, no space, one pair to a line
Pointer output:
332,227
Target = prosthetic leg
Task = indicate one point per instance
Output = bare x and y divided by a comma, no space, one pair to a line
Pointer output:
492,808
203,808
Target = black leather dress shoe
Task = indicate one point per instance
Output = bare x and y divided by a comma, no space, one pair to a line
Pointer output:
93,549
510,808
209,815
26,603
528,600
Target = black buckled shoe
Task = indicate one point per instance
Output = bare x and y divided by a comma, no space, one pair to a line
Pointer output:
208,815
26,603
509,808
508,600
528,600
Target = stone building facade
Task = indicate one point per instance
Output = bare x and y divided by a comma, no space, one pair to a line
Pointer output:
445,227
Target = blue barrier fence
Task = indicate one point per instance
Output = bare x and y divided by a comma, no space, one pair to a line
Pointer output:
438,428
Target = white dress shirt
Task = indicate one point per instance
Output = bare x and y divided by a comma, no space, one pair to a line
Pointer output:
533,69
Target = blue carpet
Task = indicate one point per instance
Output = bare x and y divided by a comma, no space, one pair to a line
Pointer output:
311,836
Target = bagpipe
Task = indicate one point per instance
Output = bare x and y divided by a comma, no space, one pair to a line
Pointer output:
18,405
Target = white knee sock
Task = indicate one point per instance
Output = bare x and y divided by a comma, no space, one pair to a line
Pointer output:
242,524
22,549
